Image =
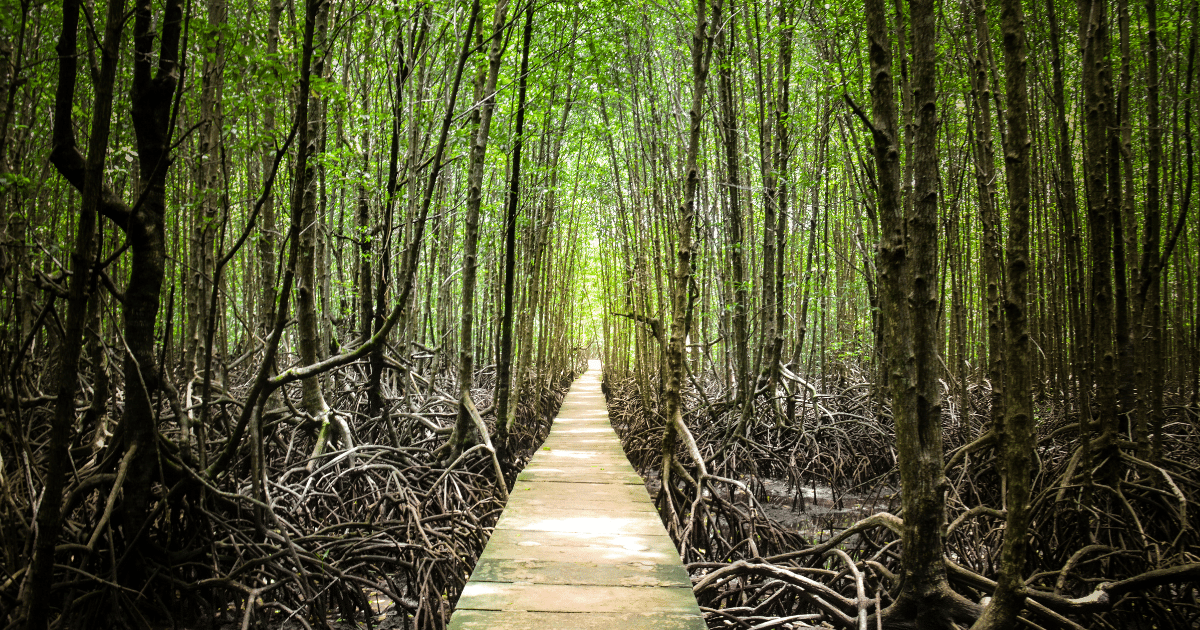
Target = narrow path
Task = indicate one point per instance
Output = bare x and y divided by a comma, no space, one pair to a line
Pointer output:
580,545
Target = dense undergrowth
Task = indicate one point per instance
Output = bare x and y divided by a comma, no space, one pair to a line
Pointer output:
342,536
1127,561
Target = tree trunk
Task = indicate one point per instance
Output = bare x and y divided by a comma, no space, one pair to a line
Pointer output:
1124,227
267,229
208,171
771,225
306,195
1097,108
481,118
382,282
1147,307
1016,441
783,151
985,180
1069,211
910,265
741,294
504,361
35,592
920,441
702,48
366,236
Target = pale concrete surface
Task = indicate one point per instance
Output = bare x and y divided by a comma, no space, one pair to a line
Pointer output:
579,545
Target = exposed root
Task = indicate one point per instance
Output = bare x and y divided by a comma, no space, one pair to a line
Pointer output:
1137,568
368,523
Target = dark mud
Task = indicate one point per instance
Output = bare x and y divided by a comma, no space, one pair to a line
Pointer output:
816,510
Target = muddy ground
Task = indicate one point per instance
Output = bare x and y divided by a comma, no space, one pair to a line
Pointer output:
817,511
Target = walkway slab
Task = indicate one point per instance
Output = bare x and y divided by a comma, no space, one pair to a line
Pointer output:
584,572
580,547
512,620
580,544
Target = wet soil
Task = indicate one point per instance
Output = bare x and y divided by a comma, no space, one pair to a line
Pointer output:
817,511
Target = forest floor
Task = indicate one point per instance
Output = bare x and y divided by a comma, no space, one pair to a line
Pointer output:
460,514
748,529
786,520
819,510
816,511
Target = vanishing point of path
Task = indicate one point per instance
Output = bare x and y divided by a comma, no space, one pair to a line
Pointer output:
580,545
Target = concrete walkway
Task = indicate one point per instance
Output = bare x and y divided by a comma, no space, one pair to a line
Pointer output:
580,545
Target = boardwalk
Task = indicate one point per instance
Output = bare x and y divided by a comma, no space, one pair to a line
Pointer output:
580,545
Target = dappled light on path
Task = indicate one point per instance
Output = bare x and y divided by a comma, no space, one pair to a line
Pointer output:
579,545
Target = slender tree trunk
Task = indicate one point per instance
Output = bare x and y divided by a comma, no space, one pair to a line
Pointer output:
1150,286
267,228
1097,121
36,599
958,320
771,225
1120,204
504,363
782,154
366,236
10,69
821,168
208,171
895,321
733,222
1016,441
306,194
702,48
985,179
302,178
540,255
382,282
1147,309
1069,212
485,95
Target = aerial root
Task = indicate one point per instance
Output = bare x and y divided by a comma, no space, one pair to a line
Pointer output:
1137,561
370,523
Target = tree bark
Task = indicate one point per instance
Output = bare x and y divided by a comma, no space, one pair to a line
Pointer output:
366,236
1124,226
920,441
481,118
267,229
1097,110
985,180
36,599
1069,213
504,418
772,224
305,195
382,282
1147,307
1016,441
702,48
908,271
733,223
208,176
783,151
